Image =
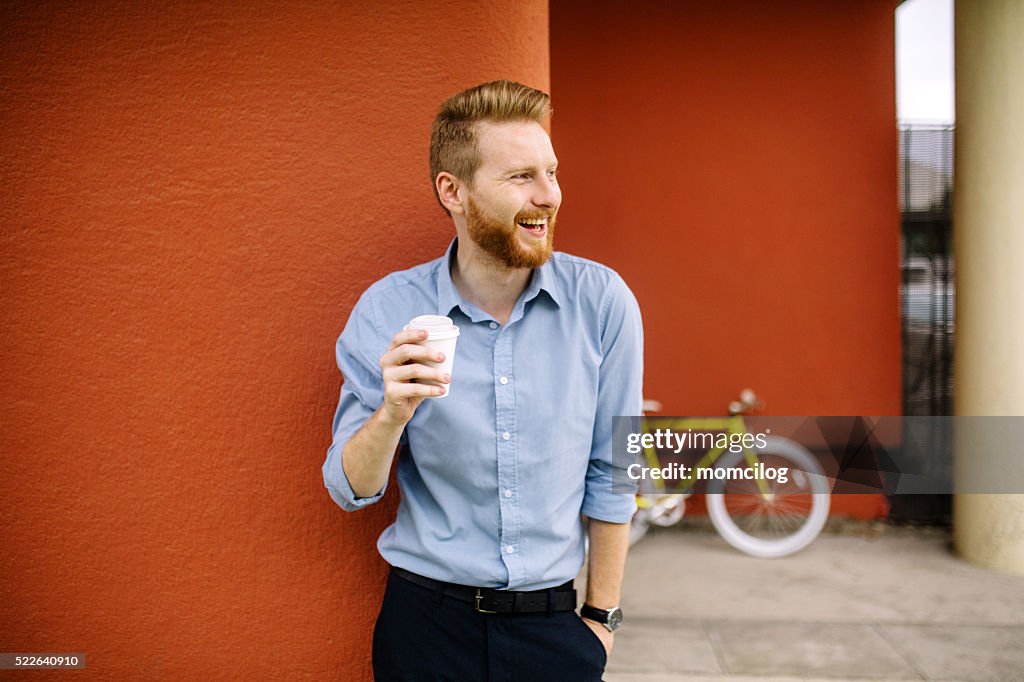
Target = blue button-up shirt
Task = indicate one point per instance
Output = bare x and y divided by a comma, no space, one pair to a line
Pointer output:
494,477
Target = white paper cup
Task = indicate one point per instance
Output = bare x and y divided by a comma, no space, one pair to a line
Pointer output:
442,335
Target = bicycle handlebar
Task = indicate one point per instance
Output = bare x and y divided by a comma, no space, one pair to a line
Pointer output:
748,401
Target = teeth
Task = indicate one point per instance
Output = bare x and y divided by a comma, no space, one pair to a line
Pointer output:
535,221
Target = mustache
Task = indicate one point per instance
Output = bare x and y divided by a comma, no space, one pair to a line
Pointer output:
535,216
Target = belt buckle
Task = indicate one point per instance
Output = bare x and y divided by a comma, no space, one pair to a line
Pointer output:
476,603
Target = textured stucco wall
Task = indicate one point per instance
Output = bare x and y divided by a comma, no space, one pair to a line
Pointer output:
194,195
736,162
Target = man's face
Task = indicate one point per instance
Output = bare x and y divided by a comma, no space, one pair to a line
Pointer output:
511,206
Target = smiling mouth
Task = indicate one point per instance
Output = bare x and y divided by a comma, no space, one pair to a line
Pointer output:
535,226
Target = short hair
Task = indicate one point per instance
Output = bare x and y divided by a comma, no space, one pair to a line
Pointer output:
453,138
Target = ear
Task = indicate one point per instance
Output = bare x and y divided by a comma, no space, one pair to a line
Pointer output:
449,190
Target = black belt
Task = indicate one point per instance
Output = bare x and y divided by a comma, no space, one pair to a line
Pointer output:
487,600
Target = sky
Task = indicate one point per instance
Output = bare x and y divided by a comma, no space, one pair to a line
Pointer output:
924,61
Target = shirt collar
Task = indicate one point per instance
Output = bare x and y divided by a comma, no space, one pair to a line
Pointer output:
448,297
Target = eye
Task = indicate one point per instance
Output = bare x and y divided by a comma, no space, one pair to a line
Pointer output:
553,172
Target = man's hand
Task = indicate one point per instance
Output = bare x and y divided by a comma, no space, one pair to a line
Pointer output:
607,638
368,454
401,368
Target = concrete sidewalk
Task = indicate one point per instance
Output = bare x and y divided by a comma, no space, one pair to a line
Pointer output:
896,606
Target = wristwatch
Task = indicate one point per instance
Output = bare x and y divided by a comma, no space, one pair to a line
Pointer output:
610,618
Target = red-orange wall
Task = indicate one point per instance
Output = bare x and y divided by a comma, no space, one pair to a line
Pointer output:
736,162
193,197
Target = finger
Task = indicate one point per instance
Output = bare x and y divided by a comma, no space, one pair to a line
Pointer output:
411,352
403,391
406,373
407,336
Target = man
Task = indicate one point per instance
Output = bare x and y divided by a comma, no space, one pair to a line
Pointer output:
496,476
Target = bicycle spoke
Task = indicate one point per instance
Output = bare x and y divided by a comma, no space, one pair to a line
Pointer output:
778,515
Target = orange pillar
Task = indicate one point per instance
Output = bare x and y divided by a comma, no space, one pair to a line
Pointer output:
193,198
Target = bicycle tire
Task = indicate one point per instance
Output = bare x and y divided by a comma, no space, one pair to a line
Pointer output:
785,523
655,511
638,526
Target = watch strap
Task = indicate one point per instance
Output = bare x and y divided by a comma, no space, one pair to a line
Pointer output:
595,614
611,618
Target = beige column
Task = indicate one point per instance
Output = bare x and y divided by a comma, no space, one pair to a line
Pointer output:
988,224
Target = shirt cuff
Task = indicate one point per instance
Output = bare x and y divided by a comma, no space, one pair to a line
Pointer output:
341,490
611,507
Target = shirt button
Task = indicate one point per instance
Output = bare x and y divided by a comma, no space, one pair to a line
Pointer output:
508,493
503,380
509,549
494,325
506,435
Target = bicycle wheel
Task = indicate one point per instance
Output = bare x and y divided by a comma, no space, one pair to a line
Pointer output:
655,506
638,526
777,524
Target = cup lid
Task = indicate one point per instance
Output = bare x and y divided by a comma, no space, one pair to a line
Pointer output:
429,321
436,326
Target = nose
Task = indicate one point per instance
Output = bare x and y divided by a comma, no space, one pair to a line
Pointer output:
547,193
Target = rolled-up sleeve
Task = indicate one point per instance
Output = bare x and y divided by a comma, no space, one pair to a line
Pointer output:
620,393
357,353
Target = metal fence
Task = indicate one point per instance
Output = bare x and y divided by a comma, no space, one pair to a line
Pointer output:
927,293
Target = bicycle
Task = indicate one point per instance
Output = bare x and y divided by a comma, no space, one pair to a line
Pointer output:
761,517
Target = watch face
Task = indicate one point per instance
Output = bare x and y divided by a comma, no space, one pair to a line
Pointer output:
614,619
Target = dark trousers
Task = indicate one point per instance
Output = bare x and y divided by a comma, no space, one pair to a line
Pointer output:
421,635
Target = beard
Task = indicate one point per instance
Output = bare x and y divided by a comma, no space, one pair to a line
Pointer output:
500,239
